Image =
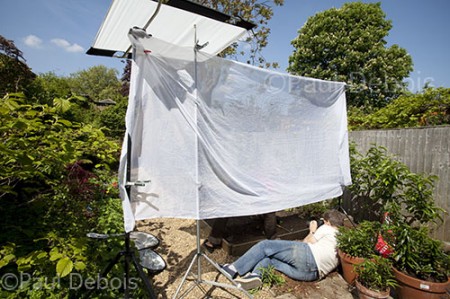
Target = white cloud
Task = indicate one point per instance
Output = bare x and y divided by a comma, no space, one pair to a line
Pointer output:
75,48
62,43
33,41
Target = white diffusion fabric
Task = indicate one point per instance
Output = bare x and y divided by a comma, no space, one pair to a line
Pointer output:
219,138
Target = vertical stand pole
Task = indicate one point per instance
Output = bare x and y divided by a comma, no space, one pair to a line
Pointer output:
127,267
127,236
199,254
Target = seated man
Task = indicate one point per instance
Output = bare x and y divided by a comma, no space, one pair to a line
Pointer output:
308,260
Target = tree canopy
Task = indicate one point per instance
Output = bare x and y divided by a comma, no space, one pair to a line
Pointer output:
15,75
97,82
348,44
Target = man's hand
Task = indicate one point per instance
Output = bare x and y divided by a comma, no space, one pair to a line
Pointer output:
312,226
312,229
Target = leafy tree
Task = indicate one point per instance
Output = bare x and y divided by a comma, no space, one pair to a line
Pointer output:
48,86
112,119
256,11
15,75
348,44
95,83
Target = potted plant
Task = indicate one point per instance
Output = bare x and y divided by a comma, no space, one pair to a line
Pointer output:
407,197
375,278
354,244
421,266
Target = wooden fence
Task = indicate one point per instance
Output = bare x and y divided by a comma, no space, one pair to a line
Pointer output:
423,150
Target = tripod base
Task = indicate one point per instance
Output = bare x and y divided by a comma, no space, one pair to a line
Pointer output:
129,256
198,278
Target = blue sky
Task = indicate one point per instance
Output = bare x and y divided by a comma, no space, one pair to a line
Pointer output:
55,34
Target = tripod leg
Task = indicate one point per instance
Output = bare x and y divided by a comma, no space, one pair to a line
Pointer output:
144,278
104,273
199,279
341,208
186,275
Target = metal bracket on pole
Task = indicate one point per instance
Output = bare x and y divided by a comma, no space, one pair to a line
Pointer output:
137,183
199,47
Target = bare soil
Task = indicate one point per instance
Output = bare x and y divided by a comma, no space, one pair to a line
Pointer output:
178,248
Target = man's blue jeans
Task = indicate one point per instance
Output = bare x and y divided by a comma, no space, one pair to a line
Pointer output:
292,258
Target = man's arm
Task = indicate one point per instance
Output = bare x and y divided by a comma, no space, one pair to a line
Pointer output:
312,229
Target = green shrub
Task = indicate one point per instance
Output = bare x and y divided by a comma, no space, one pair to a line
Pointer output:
358,241
270,277
381,184
418,255
56,185
431,107
376,273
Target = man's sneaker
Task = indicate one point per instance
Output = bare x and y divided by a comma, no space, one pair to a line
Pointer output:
249,281
230,273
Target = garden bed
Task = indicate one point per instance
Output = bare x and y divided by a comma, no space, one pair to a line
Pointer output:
244,232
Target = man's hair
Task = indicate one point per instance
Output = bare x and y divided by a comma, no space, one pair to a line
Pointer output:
335,217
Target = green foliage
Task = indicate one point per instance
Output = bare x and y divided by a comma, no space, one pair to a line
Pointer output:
56,182
314,210
46,87
95,83
37,143
418,255
431,107
55,265
348,44
15,75
270,277
358,241
76,109
56,185
113,119
376,273
381,183
357,116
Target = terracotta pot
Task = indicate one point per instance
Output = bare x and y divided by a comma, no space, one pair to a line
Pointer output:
347,263
410,287
365,293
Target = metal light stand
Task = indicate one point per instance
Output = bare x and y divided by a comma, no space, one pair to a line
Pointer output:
198,278
199,254
128,253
